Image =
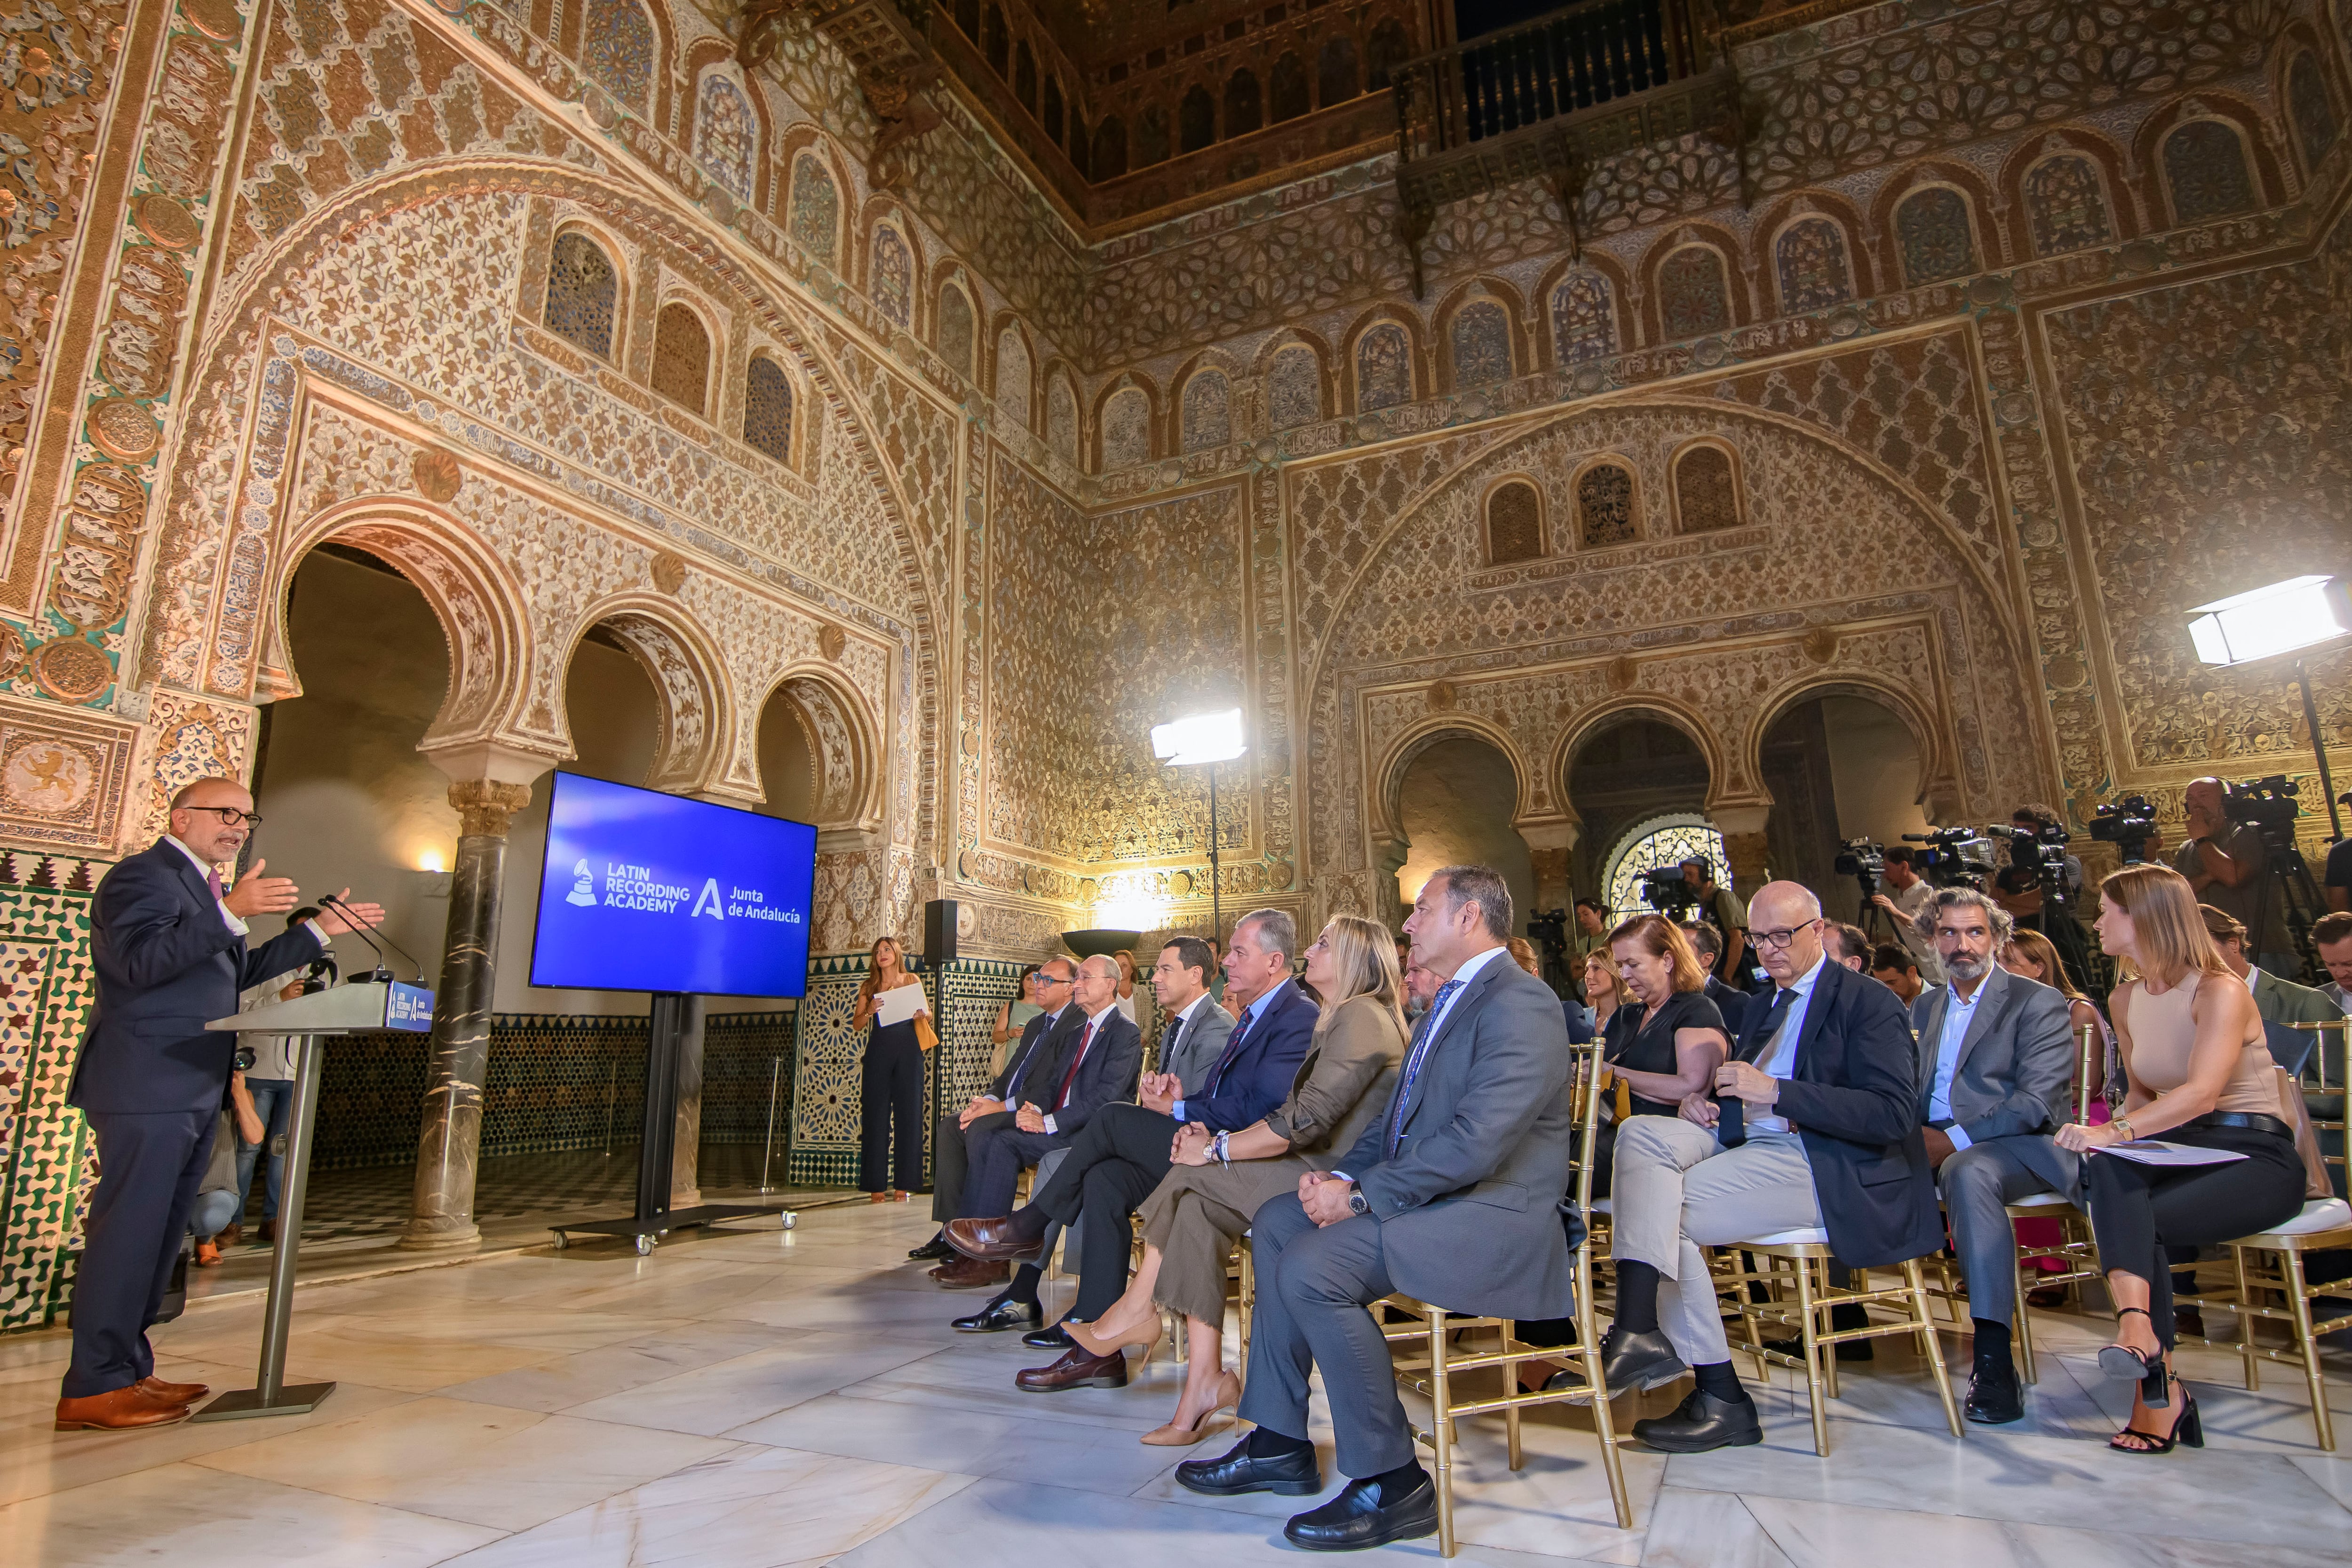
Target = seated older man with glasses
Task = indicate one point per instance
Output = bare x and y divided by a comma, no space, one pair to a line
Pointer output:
1813,1123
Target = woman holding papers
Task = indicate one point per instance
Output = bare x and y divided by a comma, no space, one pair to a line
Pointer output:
891,1089
2201,1084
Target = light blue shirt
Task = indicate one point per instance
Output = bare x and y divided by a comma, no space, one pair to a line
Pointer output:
1249,1018
1957,1014
1779,1056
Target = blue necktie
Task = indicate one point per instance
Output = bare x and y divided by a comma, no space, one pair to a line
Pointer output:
1232,1048
1413,1063
1731,1115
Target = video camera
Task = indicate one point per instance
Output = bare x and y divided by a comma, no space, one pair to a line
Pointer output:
1864,861
2267,804
1664,890
1547,929
1954,856
2042,851
2127,824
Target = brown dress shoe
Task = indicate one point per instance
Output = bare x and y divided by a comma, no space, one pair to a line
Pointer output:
1078,1368
966,1274
230,1235
118,1410
993,1241
174,1392
269,1237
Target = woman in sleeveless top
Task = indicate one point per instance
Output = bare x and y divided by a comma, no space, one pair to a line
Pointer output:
2199,1074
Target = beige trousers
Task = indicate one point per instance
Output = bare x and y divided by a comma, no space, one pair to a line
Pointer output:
1196,1215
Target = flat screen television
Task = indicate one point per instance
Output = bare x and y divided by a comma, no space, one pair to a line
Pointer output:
644,891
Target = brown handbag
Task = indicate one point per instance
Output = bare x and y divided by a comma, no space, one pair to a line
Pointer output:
925,1035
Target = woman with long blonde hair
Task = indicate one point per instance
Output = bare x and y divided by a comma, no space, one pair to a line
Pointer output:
2200,1075
1192,1221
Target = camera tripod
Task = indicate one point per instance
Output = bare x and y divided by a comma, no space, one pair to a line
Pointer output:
2284,867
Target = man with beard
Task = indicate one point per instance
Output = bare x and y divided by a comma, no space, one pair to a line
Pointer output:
1996,1059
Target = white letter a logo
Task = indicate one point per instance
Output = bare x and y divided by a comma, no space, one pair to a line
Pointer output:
710,900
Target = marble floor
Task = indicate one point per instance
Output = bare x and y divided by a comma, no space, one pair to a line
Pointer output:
797,1397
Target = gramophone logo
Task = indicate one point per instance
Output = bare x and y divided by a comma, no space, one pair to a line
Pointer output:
583,886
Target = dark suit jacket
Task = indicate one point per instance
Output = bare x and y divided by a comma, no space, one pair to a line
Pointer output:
1040,1043
167,964
1107,1073
2017,1060
1259,1076
1469,1206
1853,1101
1731,1002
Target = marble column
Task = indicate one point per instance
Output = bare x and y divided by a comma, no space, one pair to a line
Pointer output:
1388,856
450,1142
1742,828
1549,842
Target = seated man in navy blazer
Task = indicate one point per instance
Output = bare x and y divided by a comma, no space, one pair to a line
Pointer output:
1123,1155
170,949
1814,1123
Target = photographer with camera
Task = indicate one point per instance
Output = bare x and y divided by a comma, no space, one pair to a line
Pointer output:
1722,908
1909,899
2225,864
1591,930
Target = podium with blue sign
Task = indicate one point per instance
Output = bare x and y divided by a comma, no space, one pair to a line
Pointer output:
360,1005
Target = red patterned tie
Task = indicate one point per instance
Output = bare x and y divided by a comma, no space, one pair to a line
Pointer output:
1069,1077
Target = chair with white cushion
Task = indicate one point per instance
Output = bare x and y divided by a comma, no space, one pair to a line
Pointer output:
2323,1223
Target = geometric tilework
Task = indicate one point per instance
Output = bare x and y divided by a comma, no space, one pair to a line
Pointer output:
45,968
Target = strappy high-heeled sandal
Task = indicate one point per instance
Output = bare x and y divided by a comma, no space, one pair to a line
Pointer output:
2125,1365
2188,1429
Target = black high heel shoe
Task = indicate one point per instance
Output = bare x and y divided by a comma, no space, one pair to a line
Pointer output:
2125,1365
2188,1429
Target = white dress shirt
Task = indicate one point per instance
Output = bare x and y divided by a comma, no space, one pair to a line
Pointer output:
1779,1057
206,869
1959,1012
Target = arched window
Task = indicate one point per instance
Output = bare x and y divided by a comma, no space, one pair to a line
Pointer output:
955,334
1336,72
1694,295
1126,429
1062,418
1013,376
995,42
890,280
967,18
725,134
2205,171
1604,506
1151,137
1810,257
1657,844
1206,414
2066,204
1707,490
1583,319
816,209
582,294
1386,50
616,46
1080,144
1025,75
1481,341
1383,368
768,409
1288,94
1293,389
2308,108
1241,103
1110,149
1196,120
1514,523
1051,118
682,357
1932,233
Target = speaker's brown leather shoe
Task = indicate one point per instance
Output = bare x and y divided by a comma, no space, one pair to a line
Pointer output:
993,1241
174,1392
118,1410
1078,1368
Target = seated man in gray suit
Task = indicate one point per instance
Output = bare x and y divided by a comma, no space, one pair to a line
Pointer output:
1996,1058
1449,1197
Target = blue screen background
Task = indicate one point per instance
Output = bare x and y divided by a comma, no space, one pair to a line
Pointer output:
646,891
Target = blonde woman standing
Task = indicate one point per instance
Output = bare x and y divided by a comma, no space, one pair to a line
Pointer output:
1192,1221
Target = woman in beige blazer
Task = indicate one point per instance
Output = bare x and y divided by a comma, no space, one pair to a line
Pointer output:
1192,1221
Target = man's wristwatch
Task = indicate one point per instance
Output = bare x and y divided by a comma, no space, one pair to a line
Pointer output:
1358,1203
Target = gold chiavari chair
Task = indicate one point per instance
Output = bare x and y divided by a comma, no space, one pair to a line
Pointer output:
1431,1364
2076,1251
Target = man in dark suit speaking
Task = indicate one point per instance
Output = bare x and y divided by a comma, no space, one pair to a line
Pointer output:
169,945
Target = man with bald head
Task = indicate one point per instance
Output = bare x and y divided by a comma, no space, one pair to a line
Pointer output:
2224,862
168,941
1812,1123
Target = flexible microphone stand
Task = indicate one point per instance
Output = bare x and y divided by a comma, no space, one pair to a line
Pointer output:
383,970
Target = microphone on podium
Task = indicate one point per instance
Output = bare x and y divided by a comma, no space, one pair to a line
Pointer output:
383,970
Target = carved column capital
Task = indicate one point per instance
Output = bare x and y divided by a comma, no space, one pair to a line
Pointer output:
485,806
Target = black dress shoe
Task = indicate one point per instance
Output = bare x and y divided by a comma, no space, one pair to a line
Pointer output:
1845,1350
999,1315
1994,1394
1360,1517
1702,1423
935,1250
1291,1475
1053,1337
1631,1362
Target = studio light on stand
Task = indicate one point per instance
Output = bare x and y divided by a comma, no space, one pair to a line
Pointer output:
1204,739
2298,613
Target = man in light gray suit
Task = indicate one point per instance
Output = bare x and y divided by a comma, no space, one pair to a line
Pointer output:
1996,1060
1452,1196
1197,1029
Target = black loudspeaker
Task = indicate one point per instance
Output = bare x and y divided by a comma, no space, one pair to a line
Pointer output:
939,932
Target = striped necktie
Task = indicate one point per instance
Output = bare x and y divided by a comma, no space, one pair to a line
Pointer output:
1413,1063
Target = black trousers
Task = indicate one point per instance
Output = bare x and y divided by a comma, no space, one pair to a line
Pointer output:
2137,1211
1119,1157
890,1111
951,1159
149,1167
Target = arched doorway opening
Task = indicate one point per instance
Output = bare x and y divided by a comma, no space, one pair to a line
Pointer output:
1657,843
1456,802
1838,765
1637,769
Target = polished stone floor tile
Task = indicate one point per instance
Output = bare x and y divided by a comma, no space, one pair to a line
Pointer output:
725,1394
968,1443
1707,1529
614,1369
